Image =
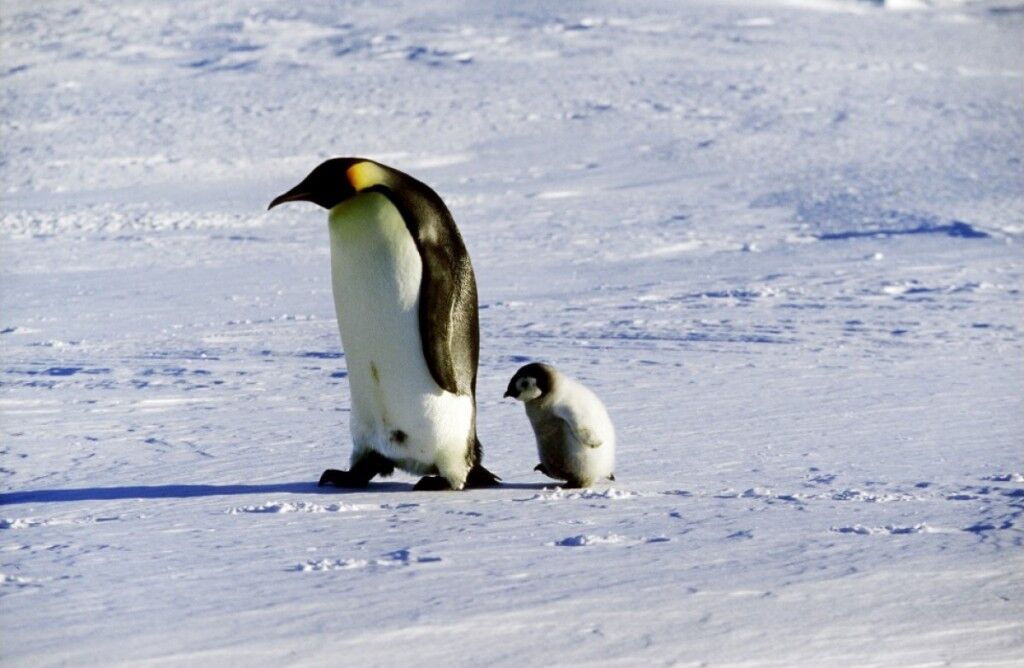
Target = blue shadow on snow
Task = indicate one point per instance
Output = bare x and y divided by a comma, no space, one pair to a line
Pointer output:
183,491
957,228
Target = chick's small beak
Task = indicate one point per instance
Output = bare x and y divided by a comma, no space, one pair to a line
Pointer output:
508,393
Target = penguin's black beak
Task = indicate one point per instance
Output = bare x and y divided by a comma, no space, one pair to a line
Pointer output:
296,194
327,185
508,393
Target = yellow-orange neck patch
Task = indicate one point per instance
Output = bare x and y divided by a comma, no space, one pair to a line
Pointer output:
363,175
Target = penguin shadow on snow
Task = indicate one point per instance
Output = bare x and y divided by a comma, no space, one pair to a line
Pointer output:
536,486
194,491
185,491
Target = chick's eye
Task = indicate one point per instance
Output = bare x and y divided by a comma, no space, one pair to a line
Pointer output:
522,384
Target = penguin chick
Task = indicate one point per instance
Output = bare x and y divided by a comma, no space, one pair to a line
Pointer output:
575,437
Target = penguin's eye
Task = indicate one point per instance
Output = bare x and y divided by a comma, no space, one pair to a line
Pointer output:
524,384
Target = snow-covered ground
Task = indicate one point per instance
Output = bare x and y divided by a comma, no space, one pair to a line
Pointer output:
781,240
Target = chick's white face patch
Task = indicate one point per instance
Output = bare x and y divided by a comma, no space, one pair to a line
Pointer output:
527,389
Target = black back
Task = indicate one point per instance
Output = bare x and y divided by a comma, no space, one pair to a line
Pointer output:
449,322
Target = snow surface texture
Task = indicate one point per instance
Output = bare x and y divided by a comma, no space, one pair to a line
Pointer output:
780,240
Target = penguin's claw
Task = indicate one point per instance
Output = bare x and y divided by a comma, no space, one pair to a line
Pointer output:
481,477
337,478
432,483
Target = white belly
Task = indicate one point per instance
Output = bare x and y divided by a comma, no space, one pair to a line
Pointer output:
397,408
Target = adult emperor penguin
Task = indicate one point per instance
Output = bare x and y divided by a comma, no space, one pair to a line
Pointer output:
575,436
406,302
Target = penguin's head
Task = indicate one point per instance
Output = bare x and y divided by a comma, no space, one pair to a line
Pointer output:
532,381
336,180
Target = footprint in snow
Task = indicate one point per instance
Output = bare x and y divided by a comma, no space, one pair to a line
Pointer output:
558,494
767,495
822,479
1005,477
17,581
21,522
890,529
870,497
585,540
397,558
330,565
984,526
301,507
28,522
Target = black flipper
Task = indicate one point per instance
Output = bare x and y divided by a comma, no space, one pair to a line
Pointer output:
368,465
611,476
449,322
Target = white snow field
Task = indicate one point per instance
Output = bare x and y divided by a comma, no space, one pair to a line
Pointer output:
782,241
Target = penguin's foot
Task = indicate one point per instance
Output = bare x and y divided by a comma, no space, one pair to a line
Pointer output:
481,477
432,483
611,476
573,483
543,469
365,465
337,478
